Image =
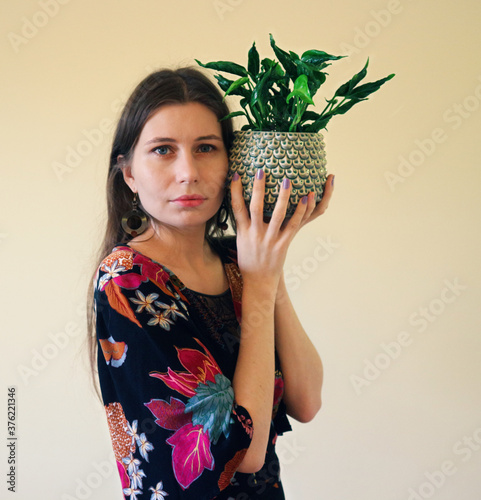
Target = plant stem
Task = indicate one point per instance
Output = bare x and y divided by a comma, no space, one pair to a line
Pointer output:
295,113
326,111
300,108
257,119
249,119
333,111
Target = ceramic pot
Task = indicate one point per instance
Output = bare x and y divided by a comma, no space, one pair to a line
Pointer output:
299,156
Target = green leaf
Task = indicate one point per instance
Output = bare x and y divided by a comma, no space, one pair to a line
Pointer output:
238,83
245,103
318,58
345,89
319,124
294,57
267,63
225,84
227,67
301,90
233,115
281,117
315,77
253,61
347,106
282,87
368,88
309,116
260,94
276,71
315,81
284,59
304,68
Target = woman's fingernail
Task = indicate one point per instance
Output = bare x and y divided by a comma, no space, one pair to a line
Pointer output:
236,177
260,173
332,182
304,200
286,183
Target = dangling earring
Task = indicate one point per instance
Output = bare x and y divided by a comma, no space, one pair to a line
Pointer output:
135,221
222,216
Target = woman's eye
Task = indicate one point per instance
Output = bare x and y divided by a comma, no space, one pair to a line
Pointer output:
162,150
206,148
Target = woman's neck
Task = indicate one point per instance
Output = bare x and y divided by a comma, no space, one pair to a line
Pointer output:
187,248
188,255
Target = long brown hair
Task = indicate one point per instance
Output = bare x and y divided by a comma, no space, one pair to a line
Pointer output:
162,87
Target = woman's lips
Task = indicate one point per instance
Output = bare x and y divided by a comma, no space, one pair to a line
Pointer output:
189,200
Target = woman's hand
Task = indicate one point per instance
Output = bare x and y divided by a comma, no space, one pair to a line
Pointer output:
262,246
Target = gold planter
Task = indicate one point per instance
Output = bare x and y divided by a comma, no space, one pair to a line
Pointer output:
299,156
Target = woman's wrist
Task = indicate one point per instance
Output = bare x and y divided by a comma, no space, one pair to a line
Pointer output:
260,286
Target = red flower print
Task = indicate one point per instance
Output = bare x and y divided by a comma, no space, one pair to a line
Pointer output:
169,416
201,368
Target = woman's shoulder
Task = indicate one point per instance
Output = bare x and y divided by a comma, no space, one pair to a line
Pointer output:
121,256
133,285
119,262
130,269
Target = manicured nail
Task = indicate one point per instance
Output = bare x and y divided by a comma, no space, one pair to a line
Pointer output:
332,182
304,200
286,183
236,177
260,174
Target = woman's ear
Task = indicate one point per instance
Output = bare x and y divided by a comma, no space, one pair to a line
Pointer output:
126,172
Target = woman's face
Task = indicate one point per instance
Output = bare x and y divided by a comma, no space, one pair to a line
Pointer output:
179,165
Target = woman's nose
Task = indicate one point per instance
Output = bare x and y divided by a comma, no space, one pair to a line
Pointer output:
187,170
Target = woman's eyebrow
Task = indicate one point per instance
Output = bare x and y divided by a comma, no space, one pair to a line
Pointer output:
160,139
209,137
169,139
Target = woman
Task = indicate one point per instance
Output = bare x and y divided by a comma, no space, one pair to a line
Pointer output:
202,354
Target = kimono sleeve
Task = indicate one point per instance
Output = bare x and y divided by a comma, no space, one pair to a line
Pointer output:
174,424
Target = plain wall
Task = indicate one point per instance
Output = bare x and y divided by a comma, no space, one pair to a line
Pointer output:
387,282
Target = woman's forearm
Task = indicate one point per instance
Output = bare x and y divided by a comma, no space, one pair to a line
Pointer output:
300,362
253,381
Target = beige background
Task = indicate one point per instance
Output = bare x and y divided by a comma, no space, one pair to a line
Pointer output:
395,258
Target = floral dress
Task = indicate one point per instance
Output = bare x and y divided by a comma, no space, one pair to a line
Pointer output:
166,361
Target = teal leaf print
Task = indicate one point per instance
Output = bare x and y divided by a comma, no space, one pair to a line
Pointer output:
211,406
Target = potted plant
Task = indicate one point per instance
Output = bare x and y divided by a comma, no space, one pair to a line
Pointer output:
282,135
